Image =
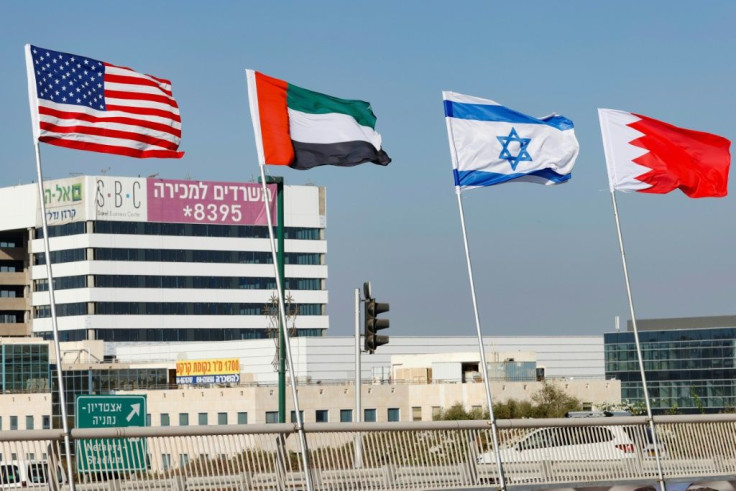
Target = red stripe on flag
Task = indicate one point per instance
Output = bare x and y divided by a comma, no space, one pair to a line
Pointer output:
108,133
122,79
140,96
274,120
693,161
145,111
113,149
71,116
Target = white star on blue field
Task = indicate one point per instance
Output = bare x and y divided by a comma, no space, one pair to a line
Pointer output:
505,154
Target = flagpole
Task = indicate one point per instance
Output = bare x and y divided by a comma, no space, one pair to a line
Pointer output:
285,336
54,325
655,441
253,100
484,369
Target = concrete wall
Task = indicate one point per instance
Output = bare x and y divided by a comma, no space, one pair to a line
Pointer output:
21,405
256,401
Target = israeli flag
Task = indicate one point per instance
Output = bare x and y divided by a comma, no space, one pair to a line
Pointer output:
491,144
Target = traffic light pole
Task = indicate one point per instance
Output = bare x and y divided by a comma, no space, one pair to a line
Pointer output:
358,384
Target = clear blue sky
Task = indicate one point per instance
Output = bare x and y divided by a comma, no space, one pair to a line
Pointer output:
545,259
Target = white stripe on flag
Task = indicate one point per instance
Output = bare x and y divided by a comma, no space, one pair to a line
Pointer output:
329,128
478,147
620,154
103,140
141,130
108,114
111,101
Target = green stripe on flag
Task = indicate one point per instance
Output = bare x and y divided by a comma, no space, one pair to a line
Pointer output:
307,101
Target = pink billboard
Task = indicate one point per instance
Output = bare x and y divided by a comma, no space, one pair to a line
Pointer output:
223,203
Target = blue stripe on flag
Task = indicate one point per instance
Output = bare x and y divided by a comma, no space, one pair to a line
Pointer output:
474,178
497,113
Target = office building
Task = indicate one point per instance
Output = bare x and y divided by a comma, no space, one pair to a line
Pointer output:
147,259
689,363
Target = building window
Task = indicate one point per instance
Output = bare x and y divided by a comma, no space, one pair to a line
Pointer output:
165,421
346,415
166,461
29,422
169,308
242,418
62,310
393,414
293,416
416,413
13,423
183,459
436,412
321,416
221,418
183,419
148,419
369,415
272,416
46,422
202,419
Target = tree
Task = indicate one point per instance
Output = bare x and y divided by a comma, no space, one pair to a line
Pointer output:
513,409
456,412
552,402
549,402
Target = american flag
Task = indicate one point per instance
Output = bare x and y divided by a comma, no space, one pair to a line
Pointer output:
86,104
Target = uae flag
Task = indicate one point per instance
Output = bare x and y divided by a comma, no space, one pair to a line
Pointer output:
650,156
304,129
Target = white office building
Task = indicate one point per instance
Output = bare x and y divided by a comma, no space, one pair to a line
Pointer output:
332,359
155,260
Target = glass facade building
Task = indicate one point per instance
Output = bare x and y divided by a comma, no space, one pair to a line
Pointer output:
687,370
25,368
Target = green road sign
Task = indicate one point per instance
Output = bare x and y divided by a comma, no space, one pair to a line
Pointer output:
111,454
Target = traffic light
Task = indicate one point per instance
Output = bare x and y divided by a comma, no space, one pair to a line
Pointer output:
373,324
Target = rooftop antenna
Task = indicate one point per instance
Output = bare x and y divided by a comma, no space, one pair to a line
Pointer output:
152,176
617,323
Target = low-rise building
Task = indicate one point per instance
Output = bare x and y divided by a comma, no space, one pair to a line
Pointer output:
689,363
253,398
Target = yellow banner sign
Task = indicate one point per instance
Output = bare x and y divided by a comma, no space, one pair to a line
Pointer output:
219,366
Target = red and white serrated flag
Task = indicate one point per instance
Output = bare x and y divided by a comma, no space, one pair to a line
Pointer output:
86,104
650,156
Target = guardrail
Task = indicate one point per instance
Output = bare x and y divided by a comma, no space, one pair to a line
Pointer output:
317,382
381,456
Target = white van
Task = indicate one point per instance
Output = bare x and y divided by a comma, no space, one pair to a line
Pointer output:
593,443
30,474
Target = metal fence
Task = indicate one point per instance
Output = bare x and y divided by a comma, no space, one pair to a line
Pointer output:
380,456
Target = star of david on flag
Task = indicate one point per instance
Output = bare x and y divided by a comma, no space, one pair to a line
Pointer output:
491,144
521,156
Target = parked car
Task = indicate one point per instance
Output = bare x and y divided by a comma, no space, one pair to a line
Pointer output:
567,443
30,474
597,414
